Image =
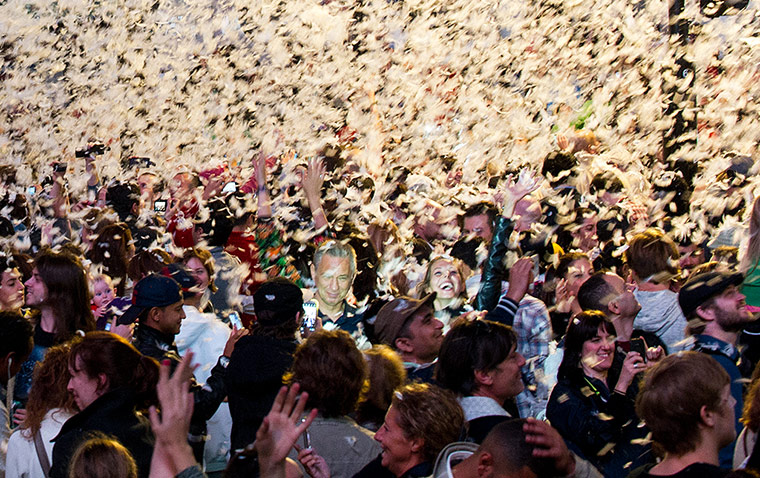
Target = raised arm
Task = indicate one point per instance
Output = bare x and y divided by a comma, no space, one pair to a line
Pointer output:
172,453
490,286
262,191
312,187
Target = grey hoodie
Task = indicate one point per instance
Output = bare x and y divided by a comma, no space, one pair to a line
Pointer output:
661,314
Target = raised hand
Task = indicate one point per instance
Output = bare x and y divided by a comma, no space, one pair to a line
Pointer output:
527,182
260,170
280,430
549,444
314,178
172,453
520,278
312,186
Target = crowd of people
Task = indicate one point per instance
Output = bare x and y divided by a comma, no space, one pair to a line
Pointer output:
554,322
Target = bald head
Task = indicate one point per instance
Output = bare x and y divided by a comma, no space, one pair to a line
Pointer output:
527,212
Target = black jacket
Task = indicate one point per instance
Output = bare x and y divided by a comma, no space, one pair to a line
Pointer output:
493,269
253,379
112,414
207,398
591,419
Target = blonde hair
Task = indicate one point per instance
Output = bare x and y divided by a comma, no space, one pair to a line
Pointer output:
102,457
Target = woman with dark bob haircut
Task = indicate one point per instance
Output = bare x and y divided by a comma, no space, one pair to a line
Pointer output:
597,420
111,382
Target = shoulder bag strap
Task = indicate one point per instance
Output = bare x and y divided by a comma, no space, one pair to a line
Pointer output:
39,447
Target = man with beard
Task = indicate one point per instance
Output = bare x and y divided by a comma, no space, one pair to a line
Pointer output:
712,301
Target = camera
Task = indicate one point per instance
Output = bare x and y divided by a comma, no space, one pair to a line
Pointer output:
92,149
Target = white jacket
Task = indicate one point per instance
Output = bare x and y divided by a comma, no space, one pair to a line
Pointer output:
22,461
206,336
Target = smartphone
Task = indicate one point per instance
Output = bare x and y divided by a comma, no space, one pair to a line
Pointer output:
640,346
31,190
159,205
235,320
16,405
230,187
60,167
309,323
305,440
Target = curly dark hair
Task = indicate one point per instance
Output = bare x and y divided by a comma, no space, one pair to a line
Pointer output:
49,388
332,370
430,413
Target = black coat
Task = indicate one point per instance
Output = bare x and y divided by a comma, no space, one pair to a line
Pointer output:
113,414
598,425
207,398
254,376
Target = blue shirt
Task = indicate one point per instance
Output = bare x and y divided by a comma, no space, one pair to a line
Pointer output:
727,356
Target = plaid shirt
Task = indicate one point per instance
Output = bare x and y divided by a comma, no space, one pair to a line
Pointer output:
533,328
637,212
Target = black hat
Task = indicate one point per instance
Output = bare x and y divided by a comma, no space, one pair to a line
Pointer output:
701,287
151,291
183,277
277,301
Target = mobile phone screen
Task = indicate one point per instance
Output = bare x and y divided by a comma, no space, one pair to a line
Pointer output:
159,206
235,320
310,315
230,187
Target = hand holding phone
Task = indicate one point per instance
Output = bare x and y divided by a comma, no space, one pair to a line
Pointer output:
235,320
639,346
309,323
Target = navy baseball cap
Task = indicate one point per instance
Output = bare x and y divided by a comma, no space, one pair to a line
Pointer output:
699,288
151,291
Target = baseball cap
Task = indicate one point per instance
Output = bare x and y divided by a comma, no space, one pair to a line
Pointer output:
151,291
183,277
392,317
277,301
699,288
